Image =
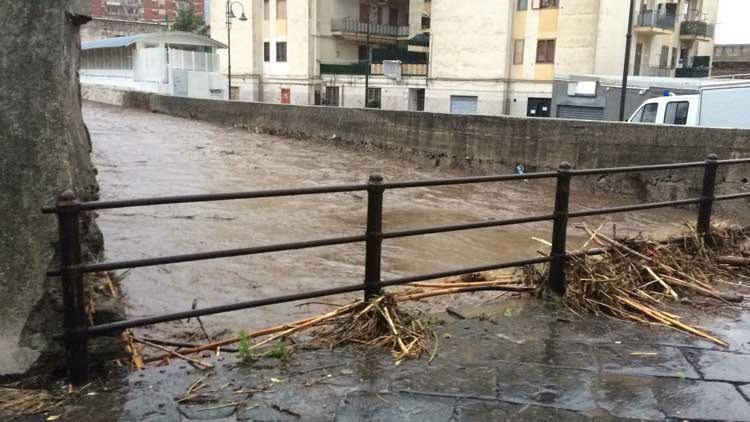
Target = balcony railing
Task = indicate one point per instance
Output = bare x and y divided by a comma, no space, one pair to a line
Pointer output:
343,69
407,69
697,28
655,19
357,27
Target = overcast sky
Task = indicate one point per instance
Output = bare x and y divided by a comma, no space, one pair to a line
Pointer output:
732,24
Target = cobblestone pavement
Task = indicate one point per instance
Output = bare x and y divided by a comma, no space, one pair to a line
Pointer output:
518,360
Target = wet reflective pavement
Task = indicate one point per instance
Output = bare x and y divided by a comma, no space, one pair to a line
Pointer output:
140,154
532,363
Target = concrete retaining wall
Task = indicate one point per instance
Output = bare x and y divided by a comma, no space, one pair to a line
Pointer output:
497,143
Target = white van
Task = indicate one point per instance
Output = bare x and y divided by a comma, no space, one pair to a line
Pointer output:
725,106
673,110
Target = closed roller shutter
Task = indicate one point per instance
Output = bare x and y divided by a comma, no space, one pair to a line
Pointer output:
462,104
580,113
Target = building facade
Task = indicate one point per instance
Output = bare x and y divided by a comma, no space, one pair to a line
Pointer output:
486,57
144,10
169,63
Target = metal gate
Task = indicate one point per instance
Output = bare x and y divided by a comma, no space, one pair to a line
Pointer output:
580,113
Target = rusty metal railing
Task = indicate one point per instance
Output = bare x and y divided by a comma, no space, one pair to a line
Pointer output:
68,210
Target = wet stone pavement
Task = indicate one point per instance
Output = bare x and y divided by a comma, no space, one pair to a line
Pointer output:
515,360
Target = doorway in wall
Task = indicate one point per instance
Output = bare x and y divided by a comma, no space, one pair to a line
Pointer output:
539,107
332,96
286,96
638,57
416,99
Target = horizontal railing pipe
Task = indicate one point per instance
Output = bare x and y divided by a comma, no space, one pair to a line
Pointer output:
732,196
734,161
140,322
469,180
202,256
638,207
468,226
631,169
211,197
443,274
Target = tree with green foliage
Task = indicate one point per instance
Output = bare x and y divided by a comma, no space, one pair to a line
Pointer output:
187,21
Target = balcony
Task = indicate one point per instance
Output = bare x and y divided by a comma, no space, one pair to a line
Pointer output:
654,22
355,30
691,72
696,30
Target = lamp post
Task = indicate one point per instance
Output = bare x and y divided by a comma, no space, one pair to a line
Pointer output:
230,15
626,68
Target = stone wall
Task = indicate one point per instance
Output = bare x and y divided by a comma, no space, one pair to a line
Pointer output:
44,150
497,143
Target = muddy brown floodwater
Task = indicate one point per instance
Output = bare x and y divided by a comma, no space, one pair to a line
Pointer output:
140,154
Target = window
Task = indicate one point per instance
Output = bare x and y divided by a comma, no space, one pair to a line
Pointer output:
646,114
547,4
517,51
373,97
281,51
266,51
266,10
664,57
362,53
523,4
545,51
676,113
332,96
464,104
280,9
673,63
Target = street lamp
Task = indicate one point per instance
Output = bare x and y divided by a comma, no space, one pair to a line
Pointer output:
626,68
230,15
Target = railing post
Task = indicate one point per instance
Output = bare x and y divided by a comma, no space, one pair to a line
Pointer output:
560,230
76,351
374,236
707,197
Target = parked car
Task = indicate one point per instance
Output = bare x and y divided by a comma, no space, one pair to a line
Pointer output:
726,106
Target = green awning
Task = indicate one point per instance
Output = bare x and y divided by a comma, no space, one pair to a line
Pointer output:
422,40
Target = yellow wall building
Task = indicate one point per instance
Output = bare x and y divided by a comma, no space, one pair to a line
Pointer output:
482,56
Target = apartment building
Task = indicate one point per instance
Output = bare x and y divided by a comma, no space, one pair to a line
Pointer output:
144,10
486,57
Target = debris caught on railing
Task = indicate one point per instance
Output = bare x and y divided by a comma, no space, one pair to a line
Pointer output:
378,323
411,329
636,278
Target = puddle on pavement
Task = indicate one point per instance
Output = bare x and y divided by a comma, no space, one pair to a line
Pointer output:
140,154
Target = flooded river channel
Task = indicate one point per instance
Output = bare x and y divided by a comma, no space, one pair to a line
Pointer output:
140,154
